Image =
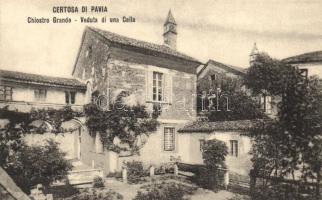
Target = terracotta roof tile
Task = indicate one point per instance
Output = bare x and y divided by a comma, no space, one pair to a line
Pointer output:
238,125
315,56
116,38
41,79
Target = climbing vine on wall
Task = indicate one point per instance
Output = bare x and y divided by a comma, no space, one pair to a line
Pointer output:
122,121
20,123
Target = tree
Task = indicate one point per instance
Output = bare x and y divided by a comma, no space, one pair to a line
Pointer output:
38,164
230,102
214,154
290,143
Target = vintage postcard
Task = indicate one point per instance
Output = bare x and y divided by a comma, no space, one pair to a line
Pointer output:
161,100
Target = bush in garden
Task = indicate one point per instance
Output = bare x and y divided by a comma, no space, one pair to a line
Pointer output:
135,171
38,164
164,168
161,192
281,191
98,182
96,194
211,176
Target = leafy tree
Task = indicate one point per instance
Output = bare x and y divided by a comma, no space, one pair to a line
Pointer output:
290,143
38,164
214,154
229,103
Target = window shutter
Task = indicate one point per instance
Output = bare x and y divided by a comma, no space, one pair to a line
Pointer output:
168,88
149,85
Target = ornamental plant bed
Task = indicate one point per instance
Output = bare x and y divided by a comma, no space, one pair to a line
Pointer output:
164,191
96,193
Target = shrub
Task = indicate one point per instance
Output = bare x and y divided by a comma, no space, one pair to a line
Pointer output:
214,153
38,164
164,168
95,194
211,176
135,171
161,192
98,182
281,191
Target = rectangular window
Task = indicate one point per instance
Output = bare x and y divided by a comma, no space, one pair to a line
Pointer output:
304,72
201,143
266,104
157,86
233,148
40,94
70,97
169,139
5,93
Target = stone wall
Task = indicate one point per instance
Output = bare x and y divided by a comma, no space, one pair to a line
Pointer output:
110,70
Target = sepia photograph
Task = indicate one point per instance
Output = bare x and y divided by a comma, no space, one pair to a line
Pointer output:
161,100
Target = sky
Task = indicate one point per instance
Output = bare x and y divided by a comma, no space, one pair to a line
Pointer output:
222,30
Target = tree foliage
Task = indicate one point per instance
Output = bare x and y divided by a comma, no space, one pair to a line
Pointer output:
230,103
291,142
122,121
211,176
32,165
19,124
36,164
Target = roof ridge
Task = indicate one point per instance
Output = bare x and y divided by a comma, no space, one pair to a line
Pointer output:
37,78
125,40
43,75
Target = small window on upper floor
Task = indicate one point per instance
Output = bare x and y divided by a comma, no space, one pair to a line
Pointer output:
266,103
5,93
40,94
304,72
212,79
70,97
157,86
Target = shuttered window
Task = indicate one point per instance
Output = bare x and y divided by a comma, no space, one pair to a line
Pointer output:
266,104
169,139
158,87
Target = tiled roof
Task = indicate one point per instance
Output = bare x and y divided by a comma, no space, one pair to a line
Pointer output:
208,127
239,70
310,57
41,79
163,49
